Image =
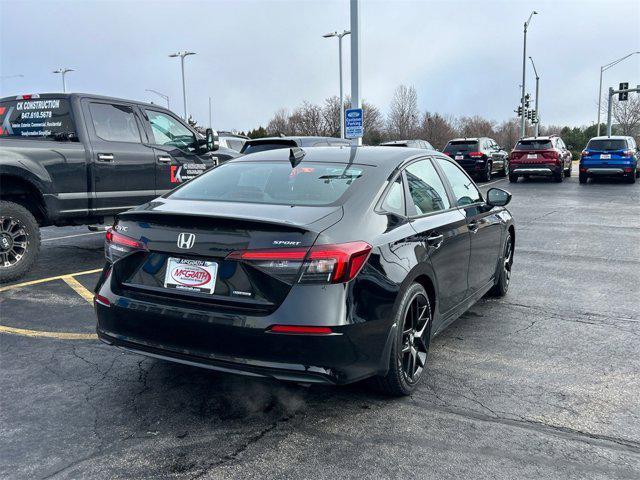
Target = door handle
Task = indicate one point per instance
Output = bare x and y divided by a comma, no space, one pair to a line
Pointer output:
164,159
473,226
105,157
435,240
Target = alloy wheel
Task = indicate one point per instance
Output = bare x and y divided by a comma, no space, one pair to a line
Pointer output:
414,345
13,241
508,254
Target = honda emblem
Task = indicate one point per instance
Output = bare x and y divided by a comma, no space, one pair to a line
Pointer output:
186,240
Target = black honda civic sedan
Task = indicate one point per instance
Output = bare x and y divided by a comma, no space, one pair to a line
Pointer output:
322,265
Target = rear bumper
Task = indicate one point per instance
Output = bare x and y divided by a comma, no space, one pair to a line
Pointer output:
605,171
238,342
545,170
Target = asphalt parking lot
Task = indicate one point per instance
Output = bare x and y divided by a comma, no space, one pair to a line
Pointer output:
541,384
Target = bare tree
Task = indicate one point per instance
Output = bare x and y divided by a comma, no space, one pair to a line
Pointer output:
403,120
437,129
507,133
331,116
627,115
373,124
279,123
306,120
475,126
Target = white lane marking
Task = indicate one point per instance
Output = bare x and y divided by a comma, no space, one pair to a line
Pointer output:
491,183
70,236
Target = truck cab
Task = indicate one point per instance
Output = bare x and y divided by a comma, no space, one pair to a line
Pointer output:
74,159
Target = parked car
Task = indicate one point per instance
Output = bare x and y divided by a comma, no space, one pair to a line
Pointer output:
272,143
231,140
614,156
318,265
481,157
77,159
546,156
409,143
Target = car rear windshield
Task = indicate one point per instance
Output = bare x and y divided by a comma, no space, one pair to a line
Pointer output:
462,146
274,183
534,145
607,144
265,146
35,118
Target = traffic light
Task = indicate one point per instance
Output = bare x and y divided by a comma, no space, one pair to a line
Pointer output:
527,99
534,116
623,96
529,114
519,110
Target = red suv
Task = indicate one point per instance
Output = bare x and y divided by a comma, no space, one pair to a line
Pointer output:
547,156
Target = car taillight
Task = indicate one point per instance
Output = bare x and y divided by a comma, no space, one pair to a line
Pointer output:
117,245
476,154
300,330
337,263
628,169
584,153
627,153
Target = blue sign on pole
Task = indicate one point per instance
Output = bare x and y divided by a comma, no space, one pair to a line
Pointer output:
353,123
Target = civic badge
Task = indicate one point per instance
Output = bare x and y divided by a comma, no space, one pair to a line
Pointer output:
186,240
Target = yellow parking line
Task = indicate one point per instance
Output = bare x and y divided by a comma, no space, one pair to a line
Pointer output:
58,335
49,279
79,288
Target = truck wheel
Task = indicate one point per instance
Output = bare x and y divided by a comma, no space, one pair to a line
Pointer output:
513,178
19,241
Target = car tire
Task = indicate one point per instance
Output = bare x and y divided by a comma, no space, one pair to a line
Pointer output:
513,178
582,178
631,179
504,278
567,172
409,349
505,169
19,241
558,177
486,175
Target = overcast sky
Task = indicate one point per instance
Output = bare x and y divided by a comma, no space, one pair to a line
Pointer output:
464,58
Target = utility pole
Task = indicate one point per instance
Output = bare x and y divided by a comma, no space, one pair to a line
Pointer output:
523,121
63,71
537,96
339,36
602,70
355,60
184,89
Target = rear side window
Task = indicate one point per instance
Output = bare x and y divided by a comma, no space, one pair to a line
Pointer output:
607,144
394,201
114,123
265,146
273,183
534,145
461,146
37,118
426,188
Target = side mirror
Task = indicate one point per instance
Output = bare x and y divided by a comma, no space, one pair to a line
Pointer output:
496,197
212,140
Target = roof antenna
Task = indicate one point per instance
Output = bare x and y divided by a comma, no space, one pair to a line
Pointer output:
296,154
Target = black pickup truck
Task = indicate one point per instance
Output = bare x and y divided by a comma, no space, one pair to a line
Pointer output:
78,159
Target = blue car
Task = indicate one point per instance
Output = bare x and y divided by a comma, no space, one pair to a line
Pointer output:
614,156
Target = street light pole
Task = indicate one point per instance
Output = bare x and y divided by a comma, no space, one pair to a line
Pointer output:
339,36
63,71
183,54
602,69
161,95
537,96
524,73
355,60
